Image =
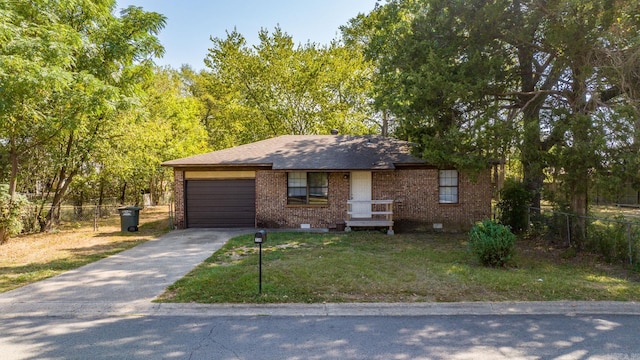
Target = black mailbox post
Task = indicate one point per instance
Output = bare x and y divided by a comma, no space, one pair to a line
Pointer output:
259,238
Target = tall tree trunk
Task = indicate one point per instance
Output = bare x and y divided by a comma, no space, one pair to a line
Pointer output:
582,156
152,190
64,180
532,161
78,205
69,169
101,196
13,160
123,193
385,124
579,205
530,102
58,196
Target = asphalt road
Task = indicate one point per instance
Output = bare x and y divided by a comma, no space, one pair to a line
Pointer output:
323,337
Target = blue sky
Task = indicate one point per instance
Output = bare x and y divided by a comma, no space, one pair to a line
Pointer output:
190,23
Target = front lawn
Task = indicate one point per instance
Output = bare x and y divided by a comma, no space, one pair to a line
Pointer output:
373,267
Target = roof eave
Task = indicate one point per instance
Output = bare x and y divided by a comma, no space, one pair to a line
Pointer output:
257,165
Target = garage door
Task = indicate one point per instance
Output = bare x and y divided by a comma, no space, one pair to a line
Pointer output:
220,203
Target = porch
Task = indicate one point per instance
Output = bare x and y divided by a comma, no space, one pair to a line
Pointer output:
370,213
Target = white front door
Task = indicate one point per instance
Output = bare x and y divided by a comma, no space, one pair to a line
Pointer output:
361,191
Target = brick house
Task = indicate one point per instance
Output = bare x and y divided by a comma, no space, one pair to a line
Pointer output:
320,181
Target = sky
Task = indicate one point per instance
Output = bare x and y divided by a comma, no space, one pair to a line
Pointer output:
191,23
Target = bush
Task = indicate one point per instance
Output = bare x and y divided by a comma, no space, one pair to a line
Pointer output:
493,244
10,213
613,240
514,205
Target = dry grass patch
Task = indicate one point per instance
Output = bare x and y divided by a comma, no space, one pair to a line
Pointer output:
29,258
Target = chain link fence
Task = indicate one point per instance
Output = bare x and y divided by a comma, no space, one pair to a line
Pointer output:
32,217
93,215
615,239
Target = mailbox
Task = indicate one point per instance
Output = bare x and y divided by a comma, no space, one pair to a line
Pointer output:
260,237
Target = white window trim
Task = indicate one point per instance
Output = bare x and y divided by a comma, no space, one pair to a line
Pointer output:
445,183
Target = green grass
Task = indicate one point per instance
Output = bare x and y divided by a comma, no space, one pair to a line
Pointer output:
372,267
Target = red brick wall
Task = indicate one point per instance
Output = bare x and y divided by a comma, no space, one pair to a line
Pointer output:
272,210
416,203
415,193
178,186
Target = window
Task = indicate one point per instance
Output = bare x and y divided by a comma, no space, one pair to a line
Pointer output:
448,180
307,188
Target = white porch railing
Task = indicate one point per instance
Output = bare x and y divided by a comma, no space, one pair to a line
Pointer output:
370,213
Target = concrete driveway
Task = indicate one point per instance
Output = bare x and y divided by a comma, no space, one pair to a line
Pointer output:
125,280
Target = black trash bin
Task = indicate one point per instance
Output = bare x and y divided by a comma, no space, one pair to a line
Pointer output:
129,218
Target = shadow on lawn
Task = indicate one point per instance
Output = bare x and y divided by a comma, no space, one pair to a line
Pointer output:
81,257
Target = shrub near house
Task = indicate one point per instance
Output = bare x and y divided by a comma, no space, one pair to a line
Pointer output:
493,244
10,213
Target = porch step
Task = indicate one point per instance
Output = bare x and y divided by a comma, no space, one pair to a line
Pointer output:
370,223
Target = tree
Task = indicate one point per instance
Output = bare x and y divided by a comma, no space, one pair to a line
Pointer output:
35,54
11,209
473,77
69,67
434,80
275,88
164,126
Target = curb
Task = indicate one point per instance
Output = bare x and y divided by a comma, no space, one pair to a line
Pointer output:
145,308
404,309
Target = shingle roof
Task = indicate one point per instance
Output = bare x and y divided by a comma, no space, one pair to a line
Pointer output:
310,152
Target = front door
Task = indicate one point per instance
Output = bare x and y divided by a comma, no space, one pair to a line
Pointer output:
361,191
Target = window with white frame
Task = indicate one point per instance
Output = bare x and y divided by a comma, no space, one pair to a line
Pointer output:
307,188
448,186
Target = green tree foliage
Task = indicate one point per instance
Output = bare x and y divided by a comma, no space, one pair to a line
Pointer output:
275,88
35,54
164,126
11,209
615,241
434,79
472,79
68,69
514,205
